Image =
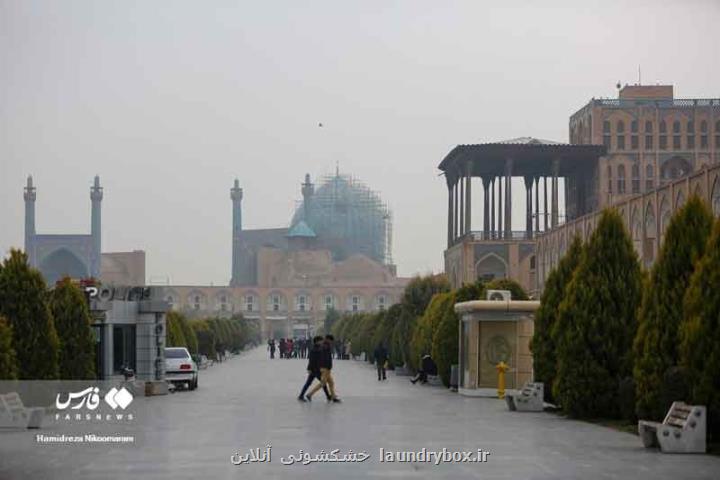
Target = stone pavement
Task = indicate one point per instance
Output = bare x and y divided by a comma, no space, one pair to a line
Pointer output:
249,401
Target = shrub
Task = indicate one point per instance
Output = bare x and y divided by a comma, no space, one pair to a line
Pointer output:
23,302
542,344
661,312
76,339
596,323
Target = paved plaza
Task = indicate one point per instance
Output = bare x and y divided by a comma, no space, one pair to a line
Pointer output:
249,401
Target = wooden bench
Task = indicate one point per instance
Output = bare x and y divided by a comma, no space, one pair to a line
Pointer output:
13,414
529,399
682,431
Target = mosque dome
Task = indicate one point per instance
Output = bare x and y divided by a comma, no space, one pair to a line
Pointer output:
347,217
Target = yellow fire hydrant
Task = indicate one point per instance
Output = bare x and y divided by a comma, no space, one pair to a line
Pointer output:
501,367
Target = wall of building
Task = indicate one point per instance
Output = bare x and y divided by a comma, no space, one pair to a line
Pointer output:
641,156
646,217
123,268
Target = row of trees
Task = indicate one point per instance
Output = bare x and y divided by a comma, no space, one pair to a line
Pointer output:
211,336
424,322
47,334
615,341
43,334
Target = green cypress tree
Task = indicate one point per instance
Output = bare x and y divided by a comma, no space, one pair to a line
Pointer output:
597,322
422,339
8,360
661,312
175,334
23,301
542,344
76,360
446,337
700,333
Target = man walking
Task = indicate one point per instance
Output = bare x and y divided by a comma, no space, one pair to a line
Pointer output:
381,356
326,377
271,347
313,368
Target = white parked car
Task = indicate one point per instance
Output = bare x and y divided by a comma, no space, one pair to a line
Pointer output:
180,367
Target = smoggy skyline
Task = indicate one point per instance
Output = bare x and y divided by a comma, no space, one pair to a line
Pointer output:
169,102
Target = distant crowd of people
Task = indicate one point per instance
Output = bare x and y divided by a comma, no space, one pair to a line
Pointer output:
300,347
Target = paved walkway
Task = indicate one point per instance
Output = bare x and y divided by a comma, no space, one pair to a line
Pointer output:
249,401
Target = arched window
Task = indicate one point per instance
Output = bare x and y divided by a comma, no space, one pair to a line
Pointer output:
250,302
715,197
690,139
635,178
663,135
649,177
676,135
606,134
648,127
302,302
621,179
703,135
620,128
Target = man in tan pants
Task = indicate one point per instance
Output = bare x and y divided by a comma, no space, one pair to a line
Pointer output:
326,377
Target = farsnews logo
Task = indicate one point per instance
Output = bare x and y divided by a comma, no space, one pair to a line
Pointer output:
118,398
87,401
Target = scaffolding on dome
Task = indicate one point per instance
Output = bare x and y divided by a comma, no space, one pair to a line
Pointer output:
348,218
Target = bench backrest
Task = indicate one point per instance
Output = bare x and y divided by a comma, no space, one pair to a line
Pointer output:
678,414
531,388
13,403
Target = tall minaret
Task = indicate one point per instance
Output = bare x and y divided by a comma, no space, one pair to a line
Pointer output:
236,194
308,189
30,196
96,196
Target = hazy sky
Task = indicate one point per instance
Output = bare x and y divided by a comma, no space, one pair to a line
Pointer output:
169,101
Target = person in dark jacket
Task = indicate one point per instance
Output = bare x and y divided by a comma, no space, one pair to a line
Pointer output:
313,368
326,377
427,367
271,347
381,357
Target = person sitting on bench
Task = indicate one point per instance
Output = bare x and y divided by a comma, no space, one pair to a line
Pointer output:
427,367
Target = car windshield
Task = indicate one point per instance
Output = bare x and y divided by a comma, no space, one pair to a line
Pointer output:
176,353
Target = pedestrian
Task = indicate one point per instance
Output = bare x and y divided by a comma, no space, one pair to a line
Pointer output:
271,347
326,377
427,367
282,348
313,368
348,350
288,348
381,357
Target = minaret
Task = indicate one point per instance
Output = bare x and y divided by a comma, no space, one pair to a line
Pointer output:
96,196
308,189
236,194
30,196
